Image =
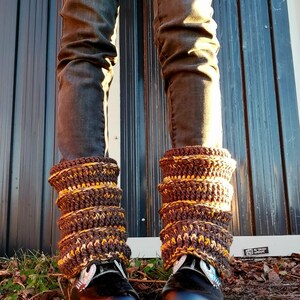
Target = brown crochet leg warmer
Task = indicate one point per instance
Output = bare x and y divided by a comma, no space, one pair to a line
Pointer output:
196,210
92,222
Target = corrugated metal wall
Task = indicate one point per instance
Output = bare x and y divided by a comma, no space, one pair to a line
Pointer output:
260,118
27,113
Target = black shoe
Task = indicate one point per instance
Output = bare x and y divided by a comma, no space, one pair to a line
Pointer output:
103,281
194,280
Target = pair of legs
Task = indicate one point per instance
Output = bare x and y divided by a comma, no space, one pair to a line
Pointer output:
195,190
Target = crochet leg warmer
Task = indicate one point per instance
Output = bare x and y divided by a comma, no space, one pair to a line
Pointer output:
196,205
92,222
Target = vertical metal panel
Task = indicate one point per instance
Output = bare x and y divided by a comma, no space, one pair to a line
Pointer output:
55,234
156,131
133,166
28,135
49,231
266,166
8,31
234,129
287,105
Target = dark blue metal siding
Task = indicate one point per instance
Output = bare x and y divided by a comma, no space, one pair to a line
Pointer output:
29,34
234,115
260,117
28,126
287,112
49,233
8,20
133,145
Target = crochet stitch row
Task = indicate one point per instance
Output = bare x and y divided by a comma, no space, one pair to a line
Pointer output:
192,210
85,175
102,194
91,217
81,248
210,192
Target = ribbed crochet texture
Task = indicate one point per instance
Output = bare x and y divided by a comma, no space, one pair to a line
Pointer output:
196,205
92,224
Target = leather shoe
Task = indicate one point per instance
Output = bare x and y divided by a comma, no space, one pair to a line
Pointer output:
193,279
100,281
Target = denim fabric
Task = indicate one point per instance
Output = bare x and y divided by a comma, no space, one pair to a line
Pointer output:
84,72
185,35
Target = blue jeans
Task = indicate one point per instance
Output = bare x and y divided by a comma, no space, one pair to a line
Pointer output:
185,36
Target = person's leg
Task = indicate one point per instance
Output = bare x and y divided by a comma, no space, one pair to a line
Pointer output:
84,72
185,36
196,193
93,226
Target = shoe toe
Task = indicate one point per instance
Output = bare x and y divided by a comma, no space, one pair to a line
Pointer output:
185,295
189,285
110,286
92,293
